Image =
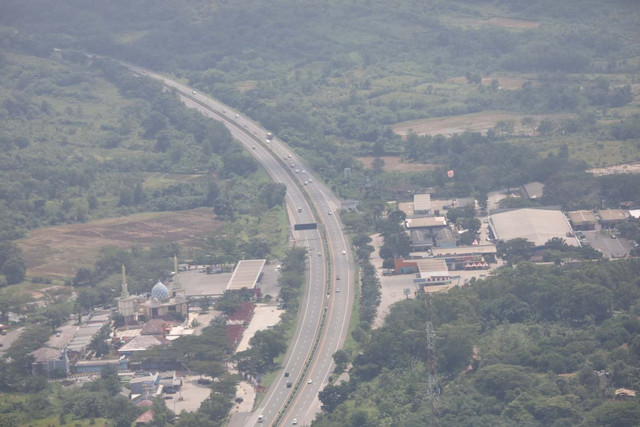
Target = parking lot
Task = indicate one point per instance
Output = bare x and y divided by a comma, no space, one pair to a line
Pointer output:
197,283
611,247
190,396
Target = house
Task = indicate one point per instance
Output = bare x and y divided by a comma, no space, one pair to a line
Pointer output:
532,190
583,220
432,272
145,419
624,394
141,343
146,385
97,365
609,218
50,362
422,204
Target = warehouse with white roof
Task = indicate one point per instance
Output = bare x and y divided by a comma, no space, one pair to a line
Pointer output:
247,274
536,225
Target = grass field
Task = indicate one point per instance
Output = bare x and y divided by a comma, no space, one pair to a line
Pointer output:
58,252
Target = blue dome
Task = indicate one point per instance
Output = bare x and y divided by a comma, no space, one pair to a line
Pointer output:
159,291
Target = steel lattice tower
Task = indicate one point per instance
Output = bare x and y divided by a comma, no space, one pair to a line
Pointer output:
433,389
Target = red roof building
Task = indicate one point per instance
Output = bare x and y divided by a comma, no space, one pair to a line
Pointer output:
145,418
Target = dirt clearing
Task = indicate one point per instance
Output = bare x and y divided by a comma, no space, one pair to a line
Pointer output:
512,23
616,169
396,164
59,251
475,122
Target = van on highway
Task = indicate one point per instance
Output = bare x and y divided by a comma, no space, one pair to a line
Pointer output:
260,418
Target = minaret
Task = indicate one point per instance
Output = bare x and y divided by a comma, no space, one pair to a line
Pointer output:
177,290
125,287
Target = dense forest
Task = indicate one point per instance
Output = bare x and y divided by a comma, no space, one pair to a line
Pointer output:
332,78
530,345
69,158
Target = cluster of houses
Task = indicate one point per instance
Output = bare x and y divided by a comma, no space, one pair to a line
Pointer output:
149,320
434,251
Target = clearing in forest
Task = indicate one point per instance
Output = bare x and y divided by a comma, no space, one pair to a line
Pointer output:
396,164
633,168
518,24
59,251
475,122
495,21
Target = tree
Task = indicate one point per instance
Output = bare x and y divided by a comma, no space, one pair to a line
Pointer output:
333,395
228,303
590,300
473,77
497,380
83,277
195,419
269,344
556,243
273,194
378,165
126,197
615,414
216,407
455,349
340,358
161,414
111,380
546,127
482,199
515,250
14,269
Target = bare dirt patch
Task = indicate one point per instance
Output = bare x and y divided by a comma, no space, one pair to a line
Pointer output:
512,23
396,164
475,122
633,167
60,251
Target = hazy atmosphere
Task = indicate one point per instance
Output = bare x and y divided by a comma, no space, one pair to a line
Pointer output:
333,213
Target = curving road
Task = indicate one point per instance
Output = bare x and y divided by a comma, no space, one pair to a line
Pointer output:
329,290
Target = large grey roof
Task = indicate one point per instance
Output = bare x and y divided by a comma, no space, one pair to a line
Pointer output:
536,225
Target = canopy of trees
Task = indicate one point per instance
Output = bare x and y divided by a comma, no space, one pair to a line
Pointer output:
528,345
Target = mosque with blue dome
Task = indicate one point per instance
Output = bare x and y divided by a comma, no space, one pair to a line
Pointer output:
162,301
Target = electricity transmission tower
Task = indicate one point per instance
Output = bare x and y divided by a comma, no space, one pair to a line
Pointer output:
433,389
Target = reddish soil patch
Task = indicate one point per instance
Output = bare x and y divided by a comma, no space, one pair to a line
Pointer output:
60,251
395,164
512,23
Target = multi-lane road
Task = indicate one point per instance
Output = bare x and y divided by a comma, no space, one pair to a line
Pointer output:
325,309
